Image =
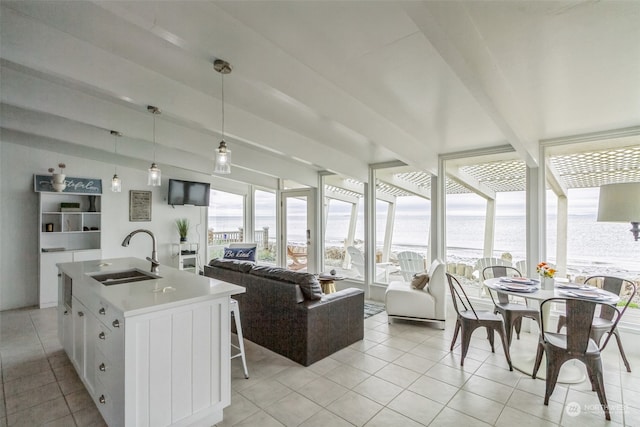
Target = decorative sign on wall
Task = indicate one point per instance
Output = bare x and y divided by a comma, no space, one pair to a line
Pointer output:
139,205
42,183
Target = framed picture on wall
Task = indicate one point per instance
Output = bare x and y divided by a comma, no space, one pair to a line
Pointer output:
139,205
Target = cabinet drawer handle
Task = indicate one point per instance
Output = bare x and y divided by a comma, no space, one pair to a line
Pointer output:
102,367
80,313
101,335
116,323
101,399
102,311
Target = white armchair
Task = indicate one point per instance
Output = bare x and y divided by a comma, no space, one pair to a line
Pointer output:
426,305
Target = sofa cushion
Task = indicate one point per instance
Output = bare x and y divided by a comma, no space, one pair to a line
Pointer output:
308,282
240,254
231,264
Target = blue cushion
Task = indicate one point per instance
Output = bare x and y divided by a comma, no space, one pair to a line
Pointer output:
243,254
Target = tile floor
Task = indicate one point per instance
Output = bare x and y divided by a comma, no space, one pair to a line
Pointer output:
400,374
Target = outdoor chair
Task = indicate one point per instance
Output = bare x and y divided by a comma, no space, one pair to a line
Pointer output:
511,312
522,267
483,263
357,262
297,255
603,320
469,319
575,344
410,264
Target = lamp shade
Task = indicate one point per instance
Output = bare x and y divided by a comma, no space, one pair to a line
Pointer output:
154,176
223,160
619,202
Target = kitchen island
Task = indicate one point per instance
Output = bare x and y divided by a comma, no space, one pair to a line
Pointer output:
152,349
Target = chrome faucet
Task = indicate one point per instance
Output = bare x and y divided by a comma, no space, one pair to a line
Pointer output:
154,253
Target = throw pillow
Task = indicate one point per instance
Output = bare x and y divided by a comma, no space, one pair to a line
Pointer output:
243,254
420,280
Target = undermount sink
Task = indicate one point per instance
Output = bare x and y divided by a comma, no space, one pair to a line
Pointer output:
124,276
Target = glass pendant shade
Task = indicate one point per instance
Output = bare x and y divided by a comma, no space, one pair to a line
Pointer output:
116,184
223,154
155,176
223,160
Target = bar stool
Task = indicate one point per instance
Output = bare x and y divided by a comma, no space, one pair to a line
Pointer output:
235,312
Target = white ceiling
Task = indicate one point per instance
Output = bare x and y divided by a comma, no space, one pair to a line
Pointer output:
333,85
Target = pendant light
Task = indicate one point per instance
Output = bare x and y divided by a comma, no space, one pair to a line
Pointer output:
223,154
154,178
116,183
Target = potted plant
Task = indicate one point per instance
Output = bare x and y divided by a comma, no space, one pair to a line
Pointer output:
183,228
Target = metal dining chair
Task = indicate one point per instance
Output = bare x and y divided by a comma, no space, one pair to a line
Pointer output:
469,319
575,344
511,312
603,320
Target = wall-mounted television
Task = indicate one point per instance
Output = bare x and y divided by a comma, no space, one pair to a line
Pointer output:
188,193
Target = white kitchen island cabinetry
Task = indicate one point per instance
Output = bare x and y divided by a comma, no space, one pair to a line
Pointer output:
153,352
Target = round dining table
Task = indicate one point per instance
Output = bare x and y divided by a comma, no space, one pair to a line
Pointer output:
572,372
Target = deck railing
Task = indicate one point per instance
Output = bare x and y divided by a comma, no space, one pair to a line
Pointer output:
223,238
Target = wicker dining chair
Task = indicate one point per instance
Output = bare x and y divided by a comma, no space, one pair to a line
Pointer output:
469,319
575,344
511,312
602,321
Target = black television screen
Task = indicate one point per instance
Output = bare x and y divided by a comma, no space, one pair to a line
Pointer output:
188,193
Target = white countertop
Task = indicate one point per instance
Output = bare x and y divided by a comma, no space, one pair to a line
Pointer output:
173,288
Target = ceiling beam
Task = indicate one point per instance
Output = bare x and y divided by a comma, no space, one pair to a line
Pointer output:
450,29
92,68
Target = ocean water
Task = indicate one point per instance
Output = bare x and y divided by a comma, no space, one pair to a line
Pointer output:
607,247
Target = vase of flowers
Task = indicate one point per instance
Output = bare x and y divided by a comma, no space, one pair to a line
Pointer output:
546,275
57,179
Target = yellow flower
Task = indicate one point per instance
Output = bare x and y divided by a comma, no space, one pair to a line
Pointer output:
544,270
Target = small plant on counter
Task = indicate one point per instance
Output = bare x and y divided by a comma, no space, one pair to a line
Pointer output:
183,228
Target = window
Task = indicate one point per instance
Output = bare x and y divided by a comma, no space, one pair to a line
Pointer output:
226,219
343,214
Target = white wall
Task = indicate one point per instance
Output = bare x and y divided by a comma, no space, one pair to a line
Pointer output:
19,216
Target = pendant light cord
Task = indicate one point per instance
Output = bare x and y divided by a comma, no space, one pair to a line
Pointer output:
154,137
115,151
222,74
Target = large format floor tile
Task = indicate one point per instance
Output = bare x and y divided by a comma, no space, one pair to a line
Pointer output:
400,374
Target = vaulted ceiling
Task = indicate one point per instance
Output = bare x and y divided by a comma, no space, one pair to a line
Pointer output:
326,85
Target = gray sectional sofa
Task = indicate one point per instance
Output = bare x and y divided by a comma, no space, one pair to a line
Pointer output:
286,311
